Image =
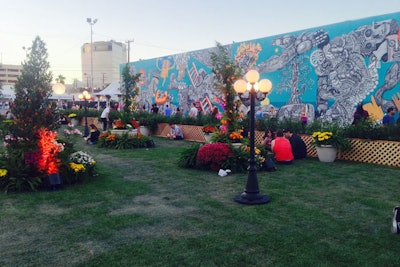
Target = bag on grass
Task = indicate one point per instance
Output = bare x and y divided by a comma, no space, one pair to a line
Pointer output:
396,220
150,143
269,165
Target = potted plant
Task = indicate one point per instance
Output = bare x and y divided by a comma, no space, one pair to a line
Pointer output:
74,119
236,138
208,130
327,144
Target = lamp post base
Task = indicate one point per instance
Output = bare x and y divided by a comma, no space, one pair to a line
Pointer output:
252,199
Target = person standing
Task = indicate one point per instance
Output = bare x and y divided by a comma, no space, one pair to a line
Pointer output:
193,111
167,111
104,118
360,114
299,148
303,117
259,113
388,119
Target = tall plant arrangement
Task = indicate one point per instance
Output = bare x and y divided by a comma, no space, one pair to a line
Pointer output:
32,112
129,88
31,107
226,72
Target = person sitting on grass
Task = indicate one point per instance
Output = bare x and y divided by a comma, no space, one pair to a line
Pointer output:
93,136
282,149
299,148
175,133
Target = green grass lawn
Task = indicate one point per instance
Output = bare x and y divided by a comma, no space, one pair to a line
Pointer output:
142,210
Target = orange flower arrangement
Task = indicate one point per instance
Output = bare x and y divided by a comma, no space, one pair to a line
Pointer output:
135,124
236,136
119,125
111,137
209,129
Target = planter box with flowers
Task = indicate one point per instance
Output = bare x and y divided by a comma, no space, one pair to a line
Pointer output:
208,131
236,138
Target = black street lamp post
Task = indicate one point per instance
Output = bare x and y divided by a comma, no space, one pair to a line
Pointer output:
255,90
85,96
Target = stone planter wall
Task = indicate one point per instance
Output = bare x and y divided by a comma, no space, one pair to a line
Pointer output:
91,120
375,152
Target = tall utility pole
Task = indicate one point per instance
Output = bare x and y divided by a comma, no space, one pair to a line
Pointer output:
91,23
129,49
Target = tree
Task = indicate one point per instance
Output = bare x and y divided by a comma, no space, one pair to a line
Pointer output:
60,79
31,108
129,88
32,112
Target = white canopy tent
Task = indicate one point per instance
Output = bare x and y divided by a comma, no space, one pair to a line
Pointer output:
112,91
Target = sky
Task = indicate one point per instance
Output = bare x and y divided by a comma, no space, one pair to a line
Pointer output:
158,27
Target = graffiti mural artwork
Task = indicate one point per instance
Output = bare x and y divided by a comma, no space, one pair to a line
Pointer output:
322,72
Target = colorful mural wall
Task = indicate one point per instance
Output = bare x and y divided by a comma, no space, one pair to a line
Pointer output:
324,71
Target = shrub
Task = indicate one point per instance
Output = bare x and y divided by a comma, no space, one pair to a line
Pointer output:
188,157
124,141
213,155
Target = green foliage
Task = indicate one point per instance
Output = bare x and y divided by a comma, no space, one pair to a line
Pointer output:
188,156
31,107
123,141
370,130
32,110
129,88
80,113
226,73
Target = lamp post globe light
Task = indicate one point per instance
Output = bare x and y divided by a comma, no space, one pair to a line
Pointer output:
253,89
58,89
85,96
91,23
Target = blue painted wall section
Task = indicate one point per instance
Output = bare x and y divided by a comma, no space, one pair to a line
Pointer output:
324,71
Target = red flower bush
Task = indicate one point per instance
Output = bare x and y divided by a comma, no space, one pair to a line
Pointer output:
213,155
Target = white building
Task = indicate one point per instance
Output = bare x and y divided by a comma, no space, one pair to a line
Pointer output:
107,57
9,73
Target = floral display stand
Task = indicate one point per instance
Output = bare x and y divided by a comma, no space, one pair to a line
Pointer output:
326,153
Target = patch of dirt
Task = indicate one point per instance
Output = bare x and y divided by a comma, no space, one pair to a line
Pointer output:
154,206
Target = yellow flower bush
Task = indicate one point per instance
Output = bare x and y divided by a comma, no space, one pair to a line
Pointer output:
77,167
329,138
3,172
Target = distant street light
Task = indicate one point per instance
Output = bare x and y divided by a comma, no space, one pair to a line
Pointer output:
91,23
85,96
58,89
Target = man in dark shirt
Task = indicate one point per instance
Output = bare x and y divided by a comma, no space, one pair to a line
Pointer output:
299,148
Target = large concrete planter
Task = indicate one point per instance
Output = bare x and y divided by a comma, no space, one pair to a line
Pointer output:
326,153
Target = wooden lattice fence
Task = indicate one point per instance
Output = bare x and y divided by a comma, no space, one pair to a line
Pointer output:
376,152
